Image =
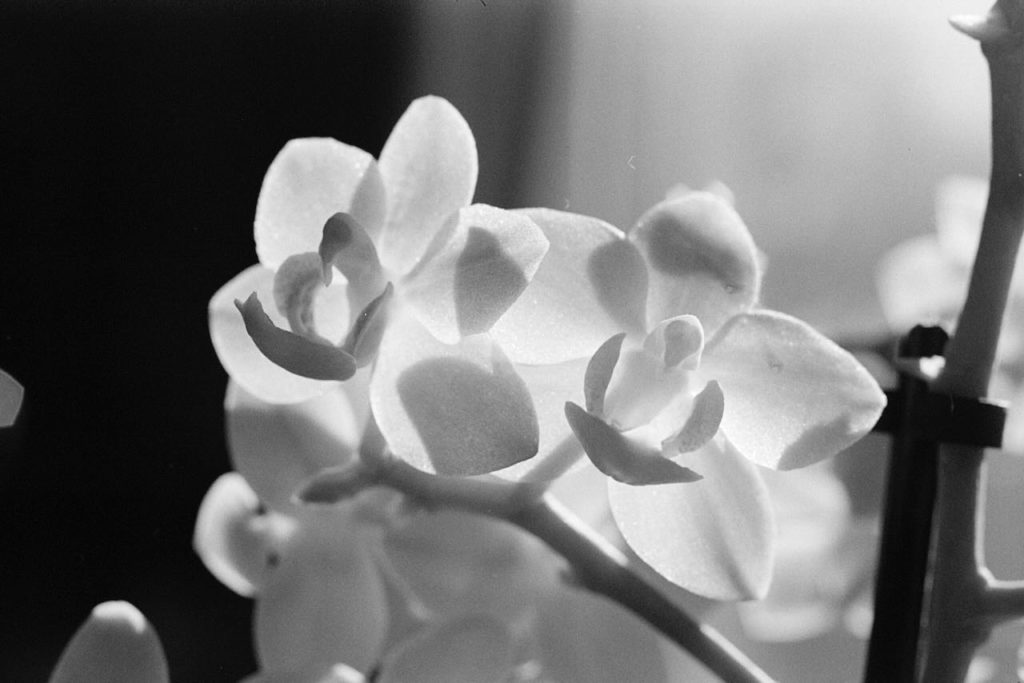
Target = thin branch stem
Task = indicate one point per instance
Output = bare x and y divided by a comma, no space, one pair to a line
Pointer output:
958,620
597,564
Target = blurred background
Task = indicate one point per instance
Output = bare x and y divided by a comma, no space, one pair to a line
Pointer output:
133,141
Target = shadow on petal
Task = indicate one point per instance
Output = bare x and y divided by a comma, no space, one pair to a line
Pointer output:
487,282
469,420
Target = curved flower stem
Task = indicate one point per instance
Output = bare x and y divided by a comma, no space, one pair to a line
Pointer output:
965,603
596,563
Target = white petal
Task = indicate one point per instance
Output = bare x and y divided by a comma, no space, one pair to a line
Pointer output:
456,410
482,261
584,638
702,260
558,450
11,395
713,537
792,396
237,352
309,181
324,602
234,540
591,284
278,447
339,673
115,645
429,168
467,649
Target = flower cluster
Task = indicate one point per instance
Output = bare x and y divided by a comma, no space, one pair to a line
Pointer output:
391,318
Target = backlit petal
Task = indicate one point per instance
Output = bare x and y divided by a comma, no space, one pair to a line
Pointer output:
234,540
792,396
115,645
314,359
324,602
278,447
591,284
11,395
237,352
584,638
457,562
599,373
309,181
703,422
701,257
558,451
467,649
429,168
481,263
620,457
713,537
339,673
451,409
312,310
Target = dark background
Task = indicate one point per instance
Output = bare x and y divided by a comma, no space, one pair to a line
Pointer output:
133,141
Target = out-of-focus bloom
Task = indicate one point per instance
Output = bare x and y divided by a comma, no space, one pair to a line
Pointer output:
425,278
115,645
11,395
418,596
924,281
681,425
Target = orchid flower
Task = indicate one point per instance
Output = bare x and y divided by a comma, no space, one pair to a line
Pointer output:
698,389
393,252
371,584
115,645
924,280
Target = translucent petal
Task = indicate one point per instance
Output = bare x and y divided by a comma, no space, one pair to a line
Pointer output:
456,562
481,263
300,296
703,422
325,602
363,340
599,373
678,341
792,396
458,409
620,457
584,638
641,387
591,285
278,447
347,246
713,537
812,578
467,649
309,181
11,395
115,645
234,540
311,358
702,260
919,284
429,168
339,673
237,352
558,450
